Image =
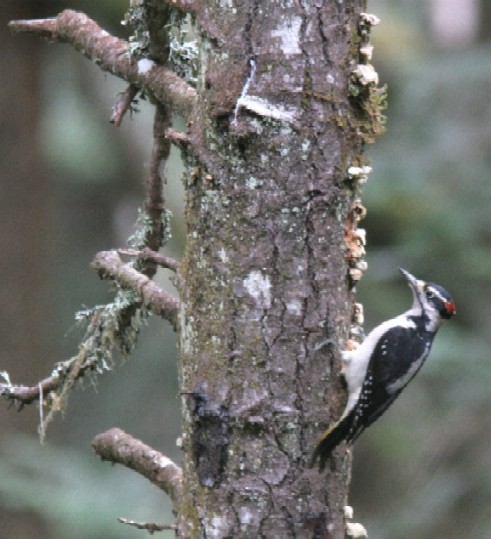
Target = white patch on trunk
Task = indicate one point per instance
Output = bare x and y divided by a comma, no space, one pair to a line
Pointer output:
259,287
213,526
261,107
289,35
294,307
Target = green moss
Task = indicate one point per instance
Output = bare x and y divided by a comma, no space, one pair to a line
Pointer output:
356,42
368,106
307,90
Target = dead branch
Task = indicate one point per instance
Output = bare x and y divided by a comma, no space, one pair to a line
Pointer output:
148,254
160,302
117,446
150,527
106,325
64,377
108,328
22,395
123,104
73,369
154,204
54,389
112,54
178,138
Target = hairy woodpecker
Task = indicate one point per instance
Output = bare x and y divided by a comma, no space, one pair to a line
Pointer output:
387,360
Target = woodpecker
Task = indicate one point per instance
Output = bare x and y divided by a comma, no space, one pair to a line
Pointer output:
387,360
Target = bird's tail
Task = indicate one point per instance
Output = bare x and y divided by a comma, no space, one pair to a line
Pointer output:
332,437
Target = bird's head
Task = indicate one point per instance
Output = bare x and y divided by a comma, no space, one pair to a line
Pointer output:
431,299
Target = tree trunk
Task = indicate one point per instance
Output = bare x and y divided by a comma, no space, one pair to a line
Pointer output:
26,203
267,303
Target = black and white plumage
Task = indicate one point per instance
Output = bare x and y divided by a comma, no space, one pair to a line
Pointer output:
387,360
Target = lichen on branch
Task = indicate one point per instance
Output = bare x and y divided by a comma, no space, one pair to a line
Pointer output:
160,302
113,55
110,327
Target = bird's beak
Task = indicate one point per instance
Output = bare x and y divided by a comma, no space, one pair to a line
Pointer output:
415,284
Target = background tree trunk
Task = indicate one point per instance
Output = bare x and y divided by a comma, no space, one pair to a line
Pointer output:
267,302
26,241
25,206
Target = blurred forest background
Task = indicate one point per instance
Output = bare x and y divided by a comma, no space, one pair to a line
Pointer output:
70,185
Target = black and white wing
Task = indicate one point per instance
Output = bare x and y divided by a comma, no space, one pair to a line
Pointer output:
396,358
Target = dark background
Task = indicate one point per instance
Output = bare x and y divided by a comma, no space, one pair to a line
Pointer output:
70,185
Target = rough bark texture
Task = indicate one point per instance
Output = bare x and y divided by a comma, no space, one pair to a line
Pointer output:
268,300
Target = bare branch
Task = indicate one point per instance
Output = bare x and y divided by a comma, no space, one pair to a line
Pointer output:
63,378
112,55
150,527
72,369
154,204
148,254
115,325
178,138
22,395
110,265
123,104
119,447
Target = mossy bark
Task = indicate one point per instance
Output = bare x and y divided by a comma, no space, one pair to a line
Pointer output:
267,302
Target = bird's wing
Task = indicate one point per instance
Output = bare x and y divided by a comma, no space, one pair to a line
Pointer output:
396,358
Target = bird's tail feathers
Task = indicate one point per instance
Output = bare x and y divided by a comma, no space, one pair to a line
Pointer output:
332,437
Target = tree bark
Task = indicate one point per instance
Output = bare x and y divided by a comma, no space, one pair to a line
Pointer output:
268,303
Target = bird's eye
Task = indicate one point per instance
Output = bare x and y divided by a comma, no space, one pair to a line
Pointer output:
429,293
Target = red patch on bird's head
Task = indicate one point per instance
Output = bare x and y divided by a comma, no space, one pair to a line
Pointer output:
449,308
